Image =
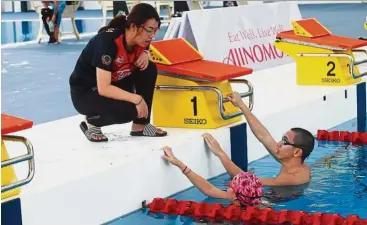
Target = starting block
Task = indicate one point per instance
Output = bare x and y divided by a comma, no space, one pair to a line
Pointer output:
191,92
9,183
322,58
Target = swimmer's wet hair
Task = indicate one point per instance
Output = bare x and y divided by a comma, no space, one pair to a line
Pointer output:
305,140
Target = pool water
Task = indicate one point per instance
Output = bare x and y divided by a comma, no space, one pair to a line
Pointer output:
339,185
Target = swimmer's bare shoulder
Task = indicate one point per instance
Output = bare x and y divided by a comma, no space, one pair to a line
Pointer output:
296,177
306,174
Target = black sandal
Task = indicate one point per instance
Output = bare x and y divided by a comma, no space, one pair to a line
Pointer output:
149,131
92,133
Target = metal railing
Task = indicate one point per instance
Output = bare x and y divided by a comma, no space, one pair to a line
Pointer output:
351,60
221,100
27,157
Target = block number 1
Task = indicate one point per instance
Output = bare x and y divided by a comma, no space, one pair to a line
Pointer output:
195,105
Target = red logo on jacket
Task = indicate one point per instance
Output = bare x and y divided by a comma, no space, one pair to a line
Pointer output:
123,64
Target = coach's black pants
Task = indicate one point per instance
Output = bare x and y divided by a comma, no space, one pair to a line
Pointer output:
102,111
47,13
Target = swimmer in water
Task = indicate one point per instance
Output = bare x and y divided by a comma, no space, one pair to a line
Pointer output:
246,188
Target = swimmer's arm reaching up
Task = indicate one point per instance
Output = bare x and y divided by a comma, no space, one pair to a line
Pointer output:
260,132
214,146
203,185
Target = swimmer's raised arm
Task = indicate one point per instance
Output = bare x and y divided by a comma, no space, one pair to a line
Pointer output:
260,132
214,146
203,185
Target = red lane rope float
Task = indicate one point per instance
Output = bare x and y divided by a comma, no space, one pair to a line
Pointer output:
251,214
356,138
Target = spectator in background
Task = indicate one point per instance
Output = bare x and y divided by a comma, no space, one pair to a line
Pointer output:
51,18
229,3
179,7
120,7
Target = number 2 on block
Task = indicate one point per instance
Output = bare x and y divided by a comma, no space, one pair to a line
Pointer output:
331,70
195,105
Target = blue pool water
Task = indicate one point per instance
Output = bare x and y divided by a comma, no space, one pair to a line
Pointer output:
339,185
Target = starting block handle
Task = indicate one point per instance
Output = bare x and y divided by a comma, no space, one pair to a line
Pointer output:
360,50
351,60
221,100
27,157
249,94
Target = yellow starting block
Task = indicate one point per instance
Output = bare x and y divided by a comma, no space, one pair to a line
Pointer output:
322,58
365,24
191,92
9,182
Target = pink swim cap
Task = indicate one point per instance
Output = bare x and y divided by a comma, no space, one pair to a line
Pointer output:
247,188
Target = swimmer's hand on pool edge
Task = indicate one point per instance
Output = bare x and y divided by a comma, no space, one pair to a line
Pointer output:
228,164
199,182
213,144
170,157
